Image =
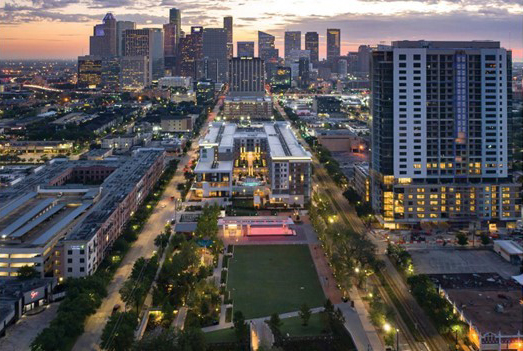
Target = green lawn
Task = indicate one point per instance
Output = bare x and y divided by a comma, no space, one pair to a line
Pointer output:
293,326
267,279
222,335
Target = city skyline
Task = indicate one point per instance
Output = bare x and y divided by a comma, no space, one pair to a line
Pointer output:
59,29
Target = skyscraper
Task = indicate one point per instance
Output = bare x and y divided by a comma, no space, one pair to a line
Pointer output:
103,41
227,24
265,44
137,43
304,72
246,76
172,33
267,52
245,48
292,42
364,53
312,43
122,26
333,43
215,47
89,72
441,136
191,50
175,17
156,52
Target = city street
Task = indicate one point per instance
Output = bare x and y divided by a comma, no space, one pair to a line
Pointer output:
323,181
143,247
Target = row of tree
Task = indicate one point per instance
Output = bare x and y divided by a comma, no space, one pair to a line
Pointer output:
118,333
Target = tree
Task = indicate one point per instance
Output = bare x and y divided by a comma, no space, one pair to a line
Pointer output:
118,333
161,241
463,239
240,326
485,240
132,294
27,272
275,322
305,314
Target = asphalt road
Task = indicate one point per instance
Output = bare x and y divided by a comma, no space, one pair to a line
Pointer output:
416,315
143,247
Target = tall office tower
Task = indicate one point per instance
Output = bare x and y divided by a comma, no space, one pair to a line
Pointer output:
140,42
122,26
312,43
364,53
207,69
304,72
135,72
111,74
175,17
265,44
156,51
268,53
333,43
172,34
441,136
227,24
342,68
215,47
245,48
191,50
292,42
103,41
89,72
246,76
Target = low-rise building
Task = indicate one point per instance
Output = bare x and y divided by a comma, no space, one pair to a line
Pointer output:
126,141
326,105
63,219
247,108
262,161
341,140
36,146
178,124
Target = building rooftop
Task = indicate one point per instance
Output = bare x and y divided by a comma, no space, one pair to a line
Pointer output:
280,137
479,44
35,210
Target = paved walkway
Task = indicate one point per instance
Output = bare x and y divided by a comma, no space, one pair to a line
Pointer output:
261,319
179,321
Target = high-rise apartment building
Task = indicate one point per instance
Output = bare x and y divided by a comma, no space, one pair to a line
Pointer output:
441,138
246,76
215,47
245,48
292,42
103,41
227,24
121,27
312,43
191,50
333,43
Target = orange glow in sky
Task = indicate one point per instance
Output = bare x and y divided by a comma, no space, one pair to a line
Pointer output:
33,29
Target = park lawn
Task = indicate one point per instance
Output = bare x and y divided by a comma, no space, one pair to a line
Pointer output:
221,335
267,279
293,326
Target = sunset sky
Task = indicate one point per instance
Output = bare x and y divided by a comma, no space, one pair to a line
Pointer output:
41,29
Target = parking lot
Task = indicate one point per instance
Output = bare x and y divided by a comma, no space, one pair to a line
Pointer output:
451,260
19,336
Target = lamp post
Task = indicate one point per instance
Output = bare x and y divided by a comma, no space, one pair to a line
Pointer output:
397,339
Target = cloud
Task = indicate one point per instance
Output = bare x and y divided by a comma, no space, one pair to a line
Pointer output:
53,4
